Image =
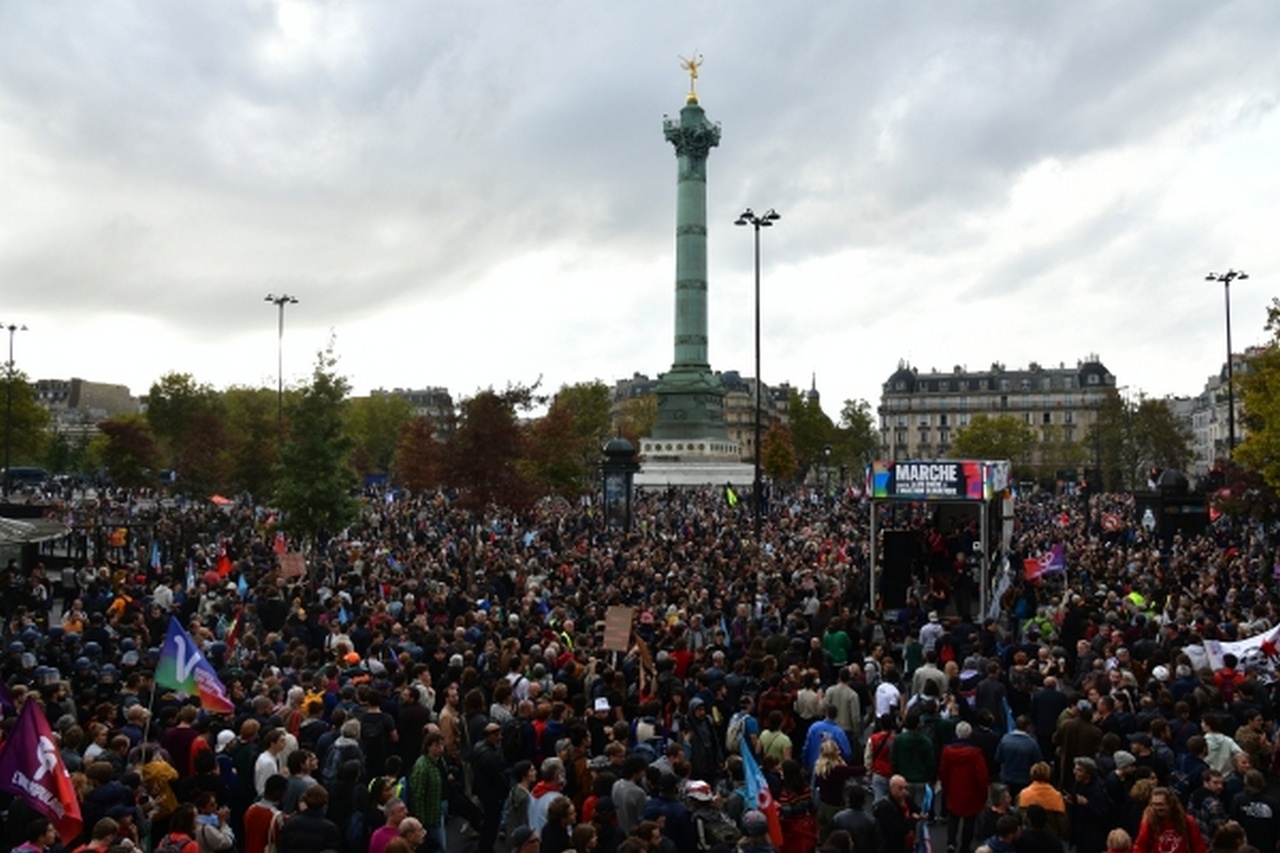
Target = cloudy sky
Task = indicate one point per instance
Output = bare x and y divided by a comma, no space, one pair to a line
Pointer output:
471,194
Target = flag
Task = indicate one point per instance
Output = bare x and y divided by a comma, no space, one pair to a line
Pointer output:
191,574
1053,560
242,586
155,554
281,546
224,562
31,768
233,630
731,495
758,795
183,667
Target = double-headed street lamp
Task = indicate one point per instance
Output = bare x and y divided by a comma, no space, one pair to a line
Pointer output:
764,220
280,301
1226,278
13,329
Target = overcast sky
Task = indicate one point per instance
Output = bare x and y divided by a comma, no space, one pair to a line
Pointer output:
474,193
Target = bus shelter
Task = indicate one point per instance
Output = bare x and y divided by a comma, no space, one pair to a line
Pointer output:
973,486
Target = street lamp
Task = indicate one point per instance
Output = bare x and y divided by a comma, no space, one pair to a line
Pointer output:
826,469
13,329
764,220
1226,278
280,301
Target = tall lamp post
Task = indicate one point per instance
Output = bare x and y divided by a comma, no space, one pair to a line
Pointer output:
764,220
280,301
13,329
1226,278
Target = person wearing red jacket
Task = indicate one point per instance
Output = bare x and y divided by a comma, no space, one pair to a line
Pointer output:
964,777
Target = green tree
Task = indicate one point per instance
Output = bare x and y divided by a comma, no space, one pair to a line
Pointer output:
188,421
556,454
811,431
1110,442
637,417
418,456
129,451
778,454
1056,453
999,437
855,441
1260,400
1160,439
68,453
253,427
483,458
588,404
27,418
314,480
374,425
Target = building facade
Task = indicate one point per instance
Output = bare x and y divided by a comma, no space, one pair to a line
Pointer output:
921,413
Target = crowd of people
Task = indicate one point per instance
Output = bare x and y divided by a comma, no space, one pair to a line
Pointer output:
431,679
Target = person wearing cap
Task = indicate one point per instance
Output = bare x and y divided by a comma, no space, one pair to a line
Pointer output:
711,825
931,632
489,782
1119,782
1088,807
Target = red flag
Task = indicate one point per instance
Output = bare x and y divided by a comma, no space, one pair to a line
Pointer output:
224,562
281,546
31,768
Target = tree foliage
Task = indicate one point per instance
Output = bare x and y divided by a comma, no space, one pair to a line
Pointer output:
483,457
187,419
1130,438
855,442
778,454
27,420
314,479
999,437
418,456
1260,401
129,450
374,424
637,418
252,427
811,431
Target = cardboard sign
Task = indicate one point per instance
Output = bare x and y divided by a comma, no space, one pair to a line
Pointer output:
617,628
292,565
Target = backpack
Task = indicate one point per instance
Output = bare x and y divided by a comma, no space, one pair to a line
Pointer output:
716,832
1186,776
733,734
513,740
169,844
333,761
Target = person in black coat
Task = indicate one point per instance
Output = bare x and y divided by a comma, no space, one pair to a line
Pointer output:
309,830
1089,808
489,782
854,819
897,818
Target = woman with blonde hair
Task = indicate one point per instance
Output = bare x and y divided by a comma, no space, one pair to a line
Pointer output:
830,775
1042,793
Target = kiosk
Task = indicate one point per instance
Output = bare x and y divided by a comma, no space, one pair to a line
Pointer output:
976,486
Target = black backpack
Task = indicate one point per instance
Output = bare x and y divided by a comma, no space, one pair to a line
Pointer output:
513,741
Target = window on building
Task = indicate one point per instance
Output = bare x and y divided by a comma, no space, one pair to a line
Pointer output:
1046,417
942,419
962,420
1004,384
1068,417
1093,379
1046,383
1004,401
964,384
922,420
